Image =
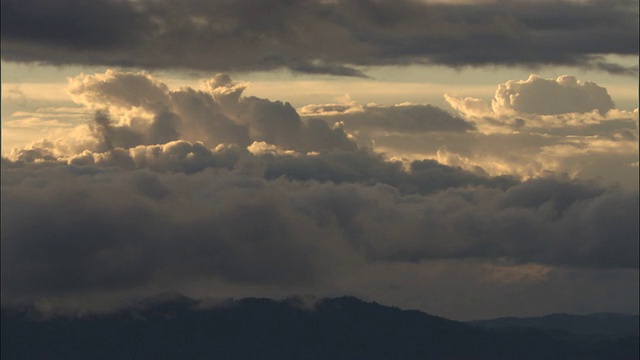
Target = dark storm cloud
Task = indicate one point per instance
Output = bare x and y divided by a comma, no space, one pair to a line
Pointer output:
423,177
143,234
316,36
80,229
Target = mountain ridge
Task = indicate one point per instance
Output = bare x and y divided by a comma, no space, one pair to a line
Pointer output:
258,328
595,325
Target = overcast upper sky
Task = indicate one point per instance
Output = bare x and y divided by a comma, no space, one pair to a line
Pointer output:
471,159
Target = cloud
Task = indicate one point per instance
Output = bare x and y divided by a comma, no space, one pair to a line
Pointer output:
541,101
398,119
531,128
422,177
69,229
484,140
317,36
565,109
548,97
119,89
211,192
175,156
148,113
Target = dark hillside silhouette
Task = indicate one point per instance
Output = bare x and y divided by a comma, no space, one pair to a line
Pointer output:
595,326
340,328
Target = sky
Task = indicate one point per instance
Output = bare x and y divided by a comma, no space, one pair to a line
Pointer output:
470,159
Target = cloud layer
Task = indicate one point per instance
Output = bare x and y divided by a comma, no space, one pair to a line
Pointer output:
214,193
314,36
69,229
